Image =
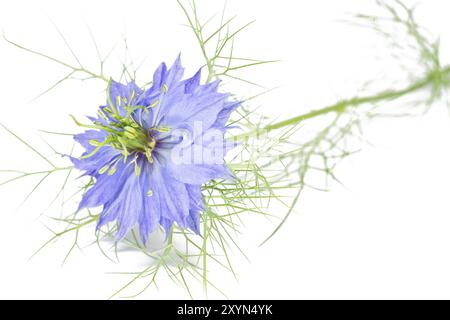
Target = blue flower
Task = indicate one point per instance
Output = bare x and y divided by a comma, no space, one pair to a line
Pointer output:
150,151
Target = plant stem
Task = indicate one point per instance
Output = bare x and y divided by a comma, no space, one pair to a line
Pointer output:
200,40
169,242
341,106
67,65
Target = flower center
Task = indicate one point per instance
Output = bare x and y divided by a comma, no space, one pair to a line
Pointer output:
124,133
128,137
131,138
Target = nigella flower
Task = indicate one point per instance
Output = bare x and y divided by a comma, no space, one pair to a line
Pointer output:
150,151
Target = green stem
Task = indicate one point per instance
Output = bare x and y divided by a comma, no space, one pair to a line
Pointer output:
67,65
200,40
169,242
341,106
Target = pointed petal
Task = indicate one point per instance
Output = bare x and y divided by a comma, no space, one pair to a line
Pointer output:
159,77
192,83
174,74
193,221
196,201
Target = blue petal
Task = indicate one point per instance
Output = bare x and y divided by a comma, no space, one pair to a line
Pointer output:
174,74
159,77
93,164
193,221
192,83
127,206
152,94
151,213
190,112
106,187
196,201
166,224
224,114
172,194
84,138
199,174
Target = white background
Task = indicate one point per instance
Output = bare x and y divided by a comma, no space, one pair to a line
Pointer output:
384,235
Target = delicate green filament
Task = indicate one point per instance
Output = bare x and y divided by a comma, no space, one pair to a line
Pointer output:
104,169
154,104
137,168
110,102
94,143
162,129
95,150
112,170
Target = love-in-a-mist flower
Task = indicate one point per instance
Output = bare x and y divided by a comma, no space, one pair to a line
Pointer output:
150,151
